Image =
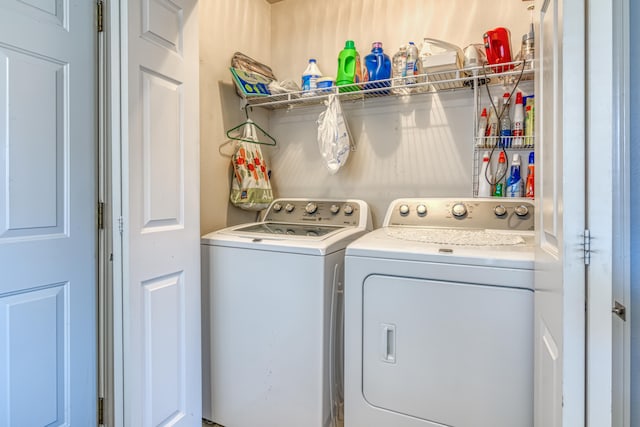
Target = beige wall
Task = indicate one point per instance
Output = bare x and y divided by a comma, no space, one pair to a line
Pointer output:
416,148
303,29
405,148
226,26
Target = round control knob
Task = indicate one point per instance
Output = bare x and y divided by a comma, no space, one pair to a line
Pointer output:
348,209
291,232
421,210
334,209
277,207
311,208
404,210
521,210
312,233
459,210
500,210
289,208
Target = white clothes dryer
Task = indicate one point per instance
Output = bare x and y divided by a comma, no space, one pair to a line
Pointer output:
439,316
272,306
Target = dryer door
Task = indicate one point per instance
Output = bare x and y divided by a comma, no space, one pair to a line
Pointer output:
458,354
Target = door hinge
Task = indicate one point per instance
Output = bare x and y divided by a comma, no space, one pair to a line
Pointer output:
586,246
100,16
100,215
101,411
121,225
620,310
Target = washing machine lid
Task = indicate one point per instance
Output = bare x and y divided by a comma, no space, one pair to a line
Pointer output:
296,225
310,239
453,246
482,232
305,231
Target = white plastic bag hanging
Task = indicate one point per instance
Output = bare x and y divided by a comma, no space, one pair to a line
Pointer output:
334,139
250,186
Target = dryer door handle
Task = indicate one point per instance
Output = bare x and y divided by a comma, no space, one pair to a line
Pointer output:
388,342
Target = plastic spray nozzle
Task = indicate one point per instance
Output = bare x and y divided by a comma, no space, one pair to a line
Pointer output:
516,159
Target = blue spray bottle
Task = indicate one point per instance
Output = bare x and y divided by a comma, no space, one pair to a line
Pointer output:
514,183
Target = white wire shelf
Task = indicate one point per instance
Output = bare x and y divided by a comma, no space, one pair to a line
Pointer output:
505,142
431,82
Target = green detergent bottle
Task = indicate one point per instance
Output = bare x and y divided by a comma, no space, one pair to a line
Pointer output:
348,68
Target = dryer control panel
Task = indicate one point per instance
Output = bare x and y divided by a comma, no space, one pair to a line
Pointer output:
482,214
319,211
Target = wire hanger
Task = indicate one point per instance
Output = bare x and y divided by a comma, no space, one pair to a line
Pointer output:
247,131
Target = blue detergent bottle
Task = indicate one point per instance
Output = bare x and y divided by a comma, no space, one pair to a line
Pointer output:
514,183
378,67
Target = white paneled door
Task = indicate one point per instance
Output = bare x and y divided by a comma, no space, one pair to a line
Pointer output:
48,213
162,380
560,194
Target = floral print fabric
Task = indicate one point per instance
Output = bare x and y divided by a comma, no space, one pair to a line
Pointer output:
250,186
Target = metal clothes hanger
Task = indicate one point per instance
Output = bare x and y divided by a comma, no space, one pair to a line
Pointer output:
247,131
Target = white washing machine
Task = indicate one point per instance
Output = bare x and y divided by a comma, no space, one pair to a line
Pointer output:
272,304
439,316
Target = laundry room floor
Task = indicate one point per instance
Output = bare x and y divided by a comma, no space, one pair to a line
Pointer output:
206,424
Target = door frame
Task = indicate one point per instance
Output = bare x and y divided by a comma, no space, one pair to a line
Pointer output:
113,113
608,213
115,175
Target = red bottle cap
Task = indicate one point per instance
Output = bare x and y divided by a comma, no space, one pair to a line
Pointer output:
519,98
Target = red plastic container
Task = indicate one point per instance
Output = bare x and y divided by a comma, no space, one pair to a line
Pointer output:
497,45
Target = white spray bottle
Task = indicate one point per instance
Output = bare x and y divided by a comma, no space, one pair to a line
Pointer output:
484,186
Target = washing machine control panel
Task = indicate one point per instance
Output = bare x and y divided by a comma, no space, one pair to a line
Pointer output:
325,212
488,214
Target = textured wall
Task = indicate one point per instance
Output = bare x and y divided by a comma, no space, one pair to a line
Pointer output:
303,29
420,148
226,26
402,150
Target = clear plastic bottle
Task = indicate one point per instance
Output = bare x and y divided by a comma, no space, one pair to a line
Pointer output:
310,78
399,71
413,63
501,173
527,52
505,122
